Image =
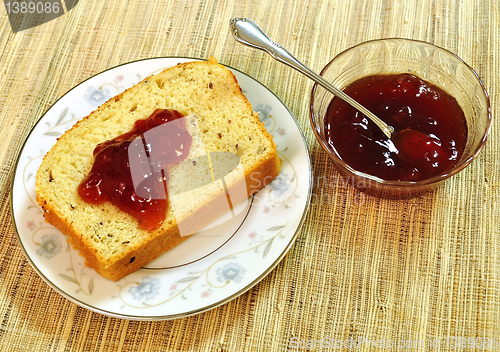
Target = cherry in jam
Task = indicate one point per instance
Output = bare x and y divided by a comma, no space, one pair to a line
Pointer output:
111,179
430,128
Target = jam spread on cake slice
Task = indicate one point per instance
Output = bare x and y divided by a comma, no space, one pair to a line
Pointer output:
152,145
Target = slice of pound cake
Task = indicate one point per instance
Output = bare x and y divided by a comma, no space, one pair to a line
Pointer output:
154,165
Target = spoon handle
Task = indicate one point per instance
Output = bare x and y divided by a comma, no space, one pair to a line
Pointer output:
247,32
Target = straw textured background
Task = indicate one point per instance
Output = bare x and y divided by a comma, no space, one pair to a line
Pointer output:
361,267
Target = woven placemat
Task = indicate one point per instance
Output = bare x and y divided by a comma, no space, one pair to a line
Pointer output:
362,268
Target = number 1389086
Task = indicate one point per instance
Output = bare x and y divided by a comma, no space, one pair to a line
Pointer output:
39,7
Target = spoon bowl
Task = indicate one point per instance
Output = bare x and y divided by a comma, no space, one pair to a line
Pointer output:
419,148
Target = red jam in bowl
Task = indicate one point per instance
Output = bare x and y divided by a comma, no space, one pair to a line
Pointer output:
110,178
430,128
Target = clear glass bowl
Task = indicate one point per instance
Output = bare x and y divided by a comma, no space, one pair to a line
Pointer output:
426,61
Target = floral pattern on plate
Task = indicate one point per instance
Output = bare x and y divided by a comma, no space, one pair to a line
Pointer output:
222,272
258,241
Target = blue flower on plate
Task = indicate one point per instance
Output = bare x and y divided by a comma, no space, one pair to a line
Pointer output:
51,245
146,290
279,185
97,96
264,113
231,271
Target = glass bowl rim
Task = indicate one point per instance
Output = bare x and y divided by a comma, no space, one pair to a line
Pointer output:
414,184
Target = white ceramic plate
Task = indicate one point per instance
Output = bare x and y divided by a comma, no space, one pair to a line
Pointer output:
205,271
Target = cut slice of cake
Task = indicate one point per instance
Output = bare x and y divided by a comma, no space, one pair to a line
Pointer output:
221,123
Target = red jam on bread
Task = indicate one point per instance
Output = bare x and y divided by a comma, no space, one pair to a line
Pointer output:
110,178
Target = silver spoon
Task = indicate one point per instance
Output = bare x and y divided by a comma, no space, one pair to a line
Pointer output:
247,32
